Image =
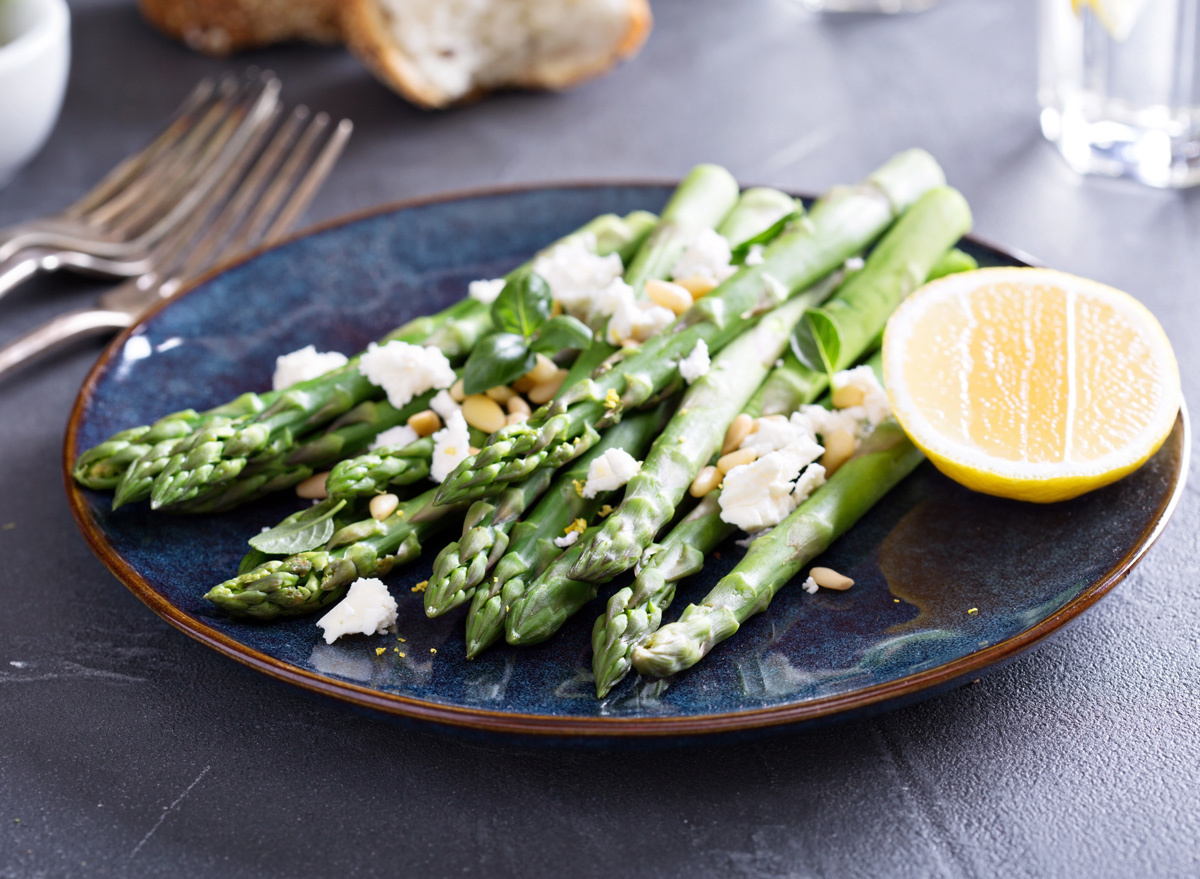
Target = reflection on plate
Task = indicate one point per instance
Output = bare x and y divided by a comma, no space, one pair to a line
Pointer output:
947,583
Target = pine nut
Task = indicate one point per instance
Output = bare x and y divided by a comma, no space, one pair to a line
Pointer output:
516,417
706,480
698,285
556,308
473,450
313,488
425,423
457,394
544,392
738,431
735,459
483,413
523,384
775,417
383,505
518,406
828,578
501,393
847,396
669,295
543,371
839,446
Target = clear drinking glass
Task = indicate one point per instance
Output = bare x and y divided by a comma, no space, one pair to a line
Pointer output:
888,6
1120,90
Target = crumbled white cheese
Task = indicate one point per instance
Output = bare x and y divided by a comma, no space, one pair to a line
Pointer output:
810,480
576,275
610,471
566,540
824,421
367,609
400,436
303,364
405,370
695,364
773,434
630,319
706,256
451,446
810,586
444,405
759,495
875,407
754,256
485,291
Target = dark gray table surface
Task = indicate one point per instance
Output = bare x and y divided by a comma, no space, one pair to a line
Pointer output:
127,749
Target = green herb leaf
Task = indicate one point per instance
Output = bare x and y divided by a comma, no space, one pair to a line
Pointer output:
816,343
739,252
301,531
496,360
523,305
560,333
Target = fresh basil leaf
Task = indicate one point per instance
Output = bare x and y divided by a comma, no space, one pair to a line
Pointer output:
496,360
560,333
300,532
829,341
523,305
739,252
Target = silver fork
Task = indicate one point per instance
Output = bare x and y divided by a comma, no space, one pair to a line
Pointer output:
243,209
113,229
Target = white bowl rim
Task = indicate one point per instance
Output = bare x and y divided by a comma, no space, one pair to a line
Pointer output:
52,25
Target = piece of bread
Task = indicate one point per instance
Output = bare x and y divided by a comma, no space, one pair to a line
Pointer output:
218,27
440,52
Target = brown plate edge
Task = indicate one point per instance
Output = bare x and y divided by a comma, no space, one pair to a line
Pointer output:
567,726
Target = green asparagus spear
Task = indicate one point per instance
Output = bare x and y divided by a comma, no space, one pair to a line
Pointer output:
887,456
531,546
841,224
307,582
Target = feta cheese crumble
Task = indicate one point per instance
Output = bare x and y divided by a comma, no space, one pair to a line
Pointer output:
303,364
707,256
401,435
566,540
444,405
754,256
367,609
875,407
610,471
695,364
576,275
405,370
810,480
810,586
630,319
451,446
759,495
485,291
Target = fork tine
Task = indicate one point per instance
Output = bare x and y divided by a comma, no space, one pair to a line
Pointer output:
311,182
129,168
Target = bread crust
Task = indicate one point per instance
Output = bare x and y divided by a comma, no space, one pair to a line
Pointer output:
219,27
365,30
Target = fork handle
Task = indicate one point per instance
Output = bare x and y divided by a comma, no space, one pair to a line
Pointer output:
58,333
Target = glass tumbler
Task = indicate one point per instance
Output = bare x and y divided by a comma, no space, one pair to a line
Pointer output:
1120,89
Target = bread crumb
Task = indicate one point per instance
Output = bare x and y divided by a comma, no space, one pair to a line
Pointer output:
420,587
379,651
433,650
973,610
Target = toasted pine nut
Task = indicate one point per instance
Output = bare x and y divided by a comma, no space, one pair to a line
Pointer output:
516,417
847,396
473,450
698,285
501,393
456,391
383,505
738,431
735,459
775,417
546,390
483,413
669,295
706,480
313,488
425,423
517,406
523,384
828,578
839,446
543,371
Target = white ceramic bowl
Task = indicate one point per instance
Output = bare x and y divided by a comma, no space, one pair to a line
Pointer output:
35,54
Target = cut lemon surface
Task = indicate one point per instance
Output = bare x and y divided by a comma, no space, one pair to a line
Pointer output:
1030,383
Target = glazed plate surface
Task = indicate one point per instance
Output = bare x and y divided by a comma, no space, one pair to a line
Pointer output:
947,583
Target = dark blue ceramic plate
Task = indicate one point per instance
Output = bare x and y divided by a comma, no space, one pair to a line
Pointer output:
927,555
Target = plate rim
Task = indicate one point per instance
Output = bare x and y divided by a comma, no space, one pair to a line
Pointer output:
568,726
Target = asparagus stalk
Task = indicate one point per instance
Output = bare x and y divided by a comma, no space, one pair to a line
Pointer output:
841,224
886,457
306,582
462,564
454,331
531,546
